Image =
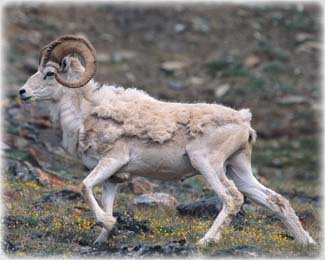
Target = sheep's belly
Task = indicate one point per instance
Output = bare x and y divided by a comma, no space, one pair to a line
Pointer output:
160,162
168,163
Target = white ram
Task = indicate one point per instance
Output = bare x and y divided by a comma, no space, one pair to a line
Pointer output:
119,133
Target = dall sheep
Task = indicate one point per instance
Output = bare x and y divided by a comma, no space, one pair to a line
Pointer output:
119,133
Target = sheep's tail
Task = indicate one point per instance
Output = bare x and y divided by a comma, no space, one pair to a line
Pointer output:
247,118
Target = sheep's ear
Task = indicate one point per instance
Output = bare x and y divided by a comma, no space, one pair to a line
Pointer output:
65,64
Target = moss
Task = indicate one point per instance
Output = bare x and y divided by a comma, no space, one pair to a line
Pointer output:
227,67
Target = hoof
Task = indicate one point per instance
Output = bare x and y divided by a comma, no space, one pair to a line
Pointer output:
201,242
107,221
100,243
310,241
306,239
102,238
207,241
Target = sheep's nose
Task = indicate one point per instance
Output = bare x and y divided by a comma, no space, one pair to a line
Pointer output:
22,92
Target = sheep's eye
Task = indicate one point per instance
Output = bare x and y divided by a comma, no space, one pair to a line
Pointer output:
49,74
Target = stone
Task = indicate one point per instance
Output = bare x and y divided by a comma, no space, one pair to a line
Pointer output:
209,208
17,169
4,146
172,66
179,28
140,185
291,100
103,57
221,90
9,246
176,85
122,56
155,199
125,221
301,37
252,61
206,208
200,24
177,248
309,46
63,196
196,81
247,251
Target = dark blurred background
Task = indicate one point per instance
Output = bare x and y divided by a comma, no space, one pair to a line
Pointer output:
266,58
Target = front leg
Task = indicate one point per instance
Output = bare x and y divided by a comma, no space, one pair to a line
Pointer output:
105,168
108,197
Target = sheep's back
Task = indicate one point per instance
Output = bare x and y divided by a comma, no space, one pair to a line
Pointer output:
154,120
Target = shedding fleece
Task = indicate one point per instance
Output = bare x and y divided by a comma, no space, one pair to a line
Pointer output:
247,117
140,115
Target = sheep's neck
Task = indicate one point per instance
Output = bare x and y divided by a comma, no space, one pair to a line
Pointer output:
71,120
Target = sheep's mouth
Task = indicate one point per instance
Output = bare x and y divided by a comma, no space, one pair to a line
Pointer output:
25,98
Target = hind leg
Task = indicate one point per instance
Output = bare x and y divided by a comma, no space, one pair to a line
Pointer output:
241,173
231,198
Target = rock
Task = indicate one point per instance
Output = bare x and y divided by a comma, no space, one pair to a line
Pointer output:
238,222
240,251
209,209
205,208
140,185
291,100
22,171
20,143
155,199
34,37
302,37
201,24
176,85
309,46
4,146
49,179
86,250
251,207
8,246
126,222
107,37
221,90
174,249
179,28
62,196
196,81
103,57
265,48
130,77
252,61
171,67
12,221
78,211
123,55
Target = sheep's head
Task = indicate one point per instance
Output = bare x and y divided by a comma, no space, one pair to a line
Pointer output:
57,69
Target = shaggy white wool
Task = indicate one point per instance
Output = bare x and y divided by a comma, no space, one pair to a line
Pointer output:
140,115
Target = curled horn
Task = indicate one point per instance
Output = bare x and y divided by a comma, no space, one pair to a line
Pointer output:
71,44
41,54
